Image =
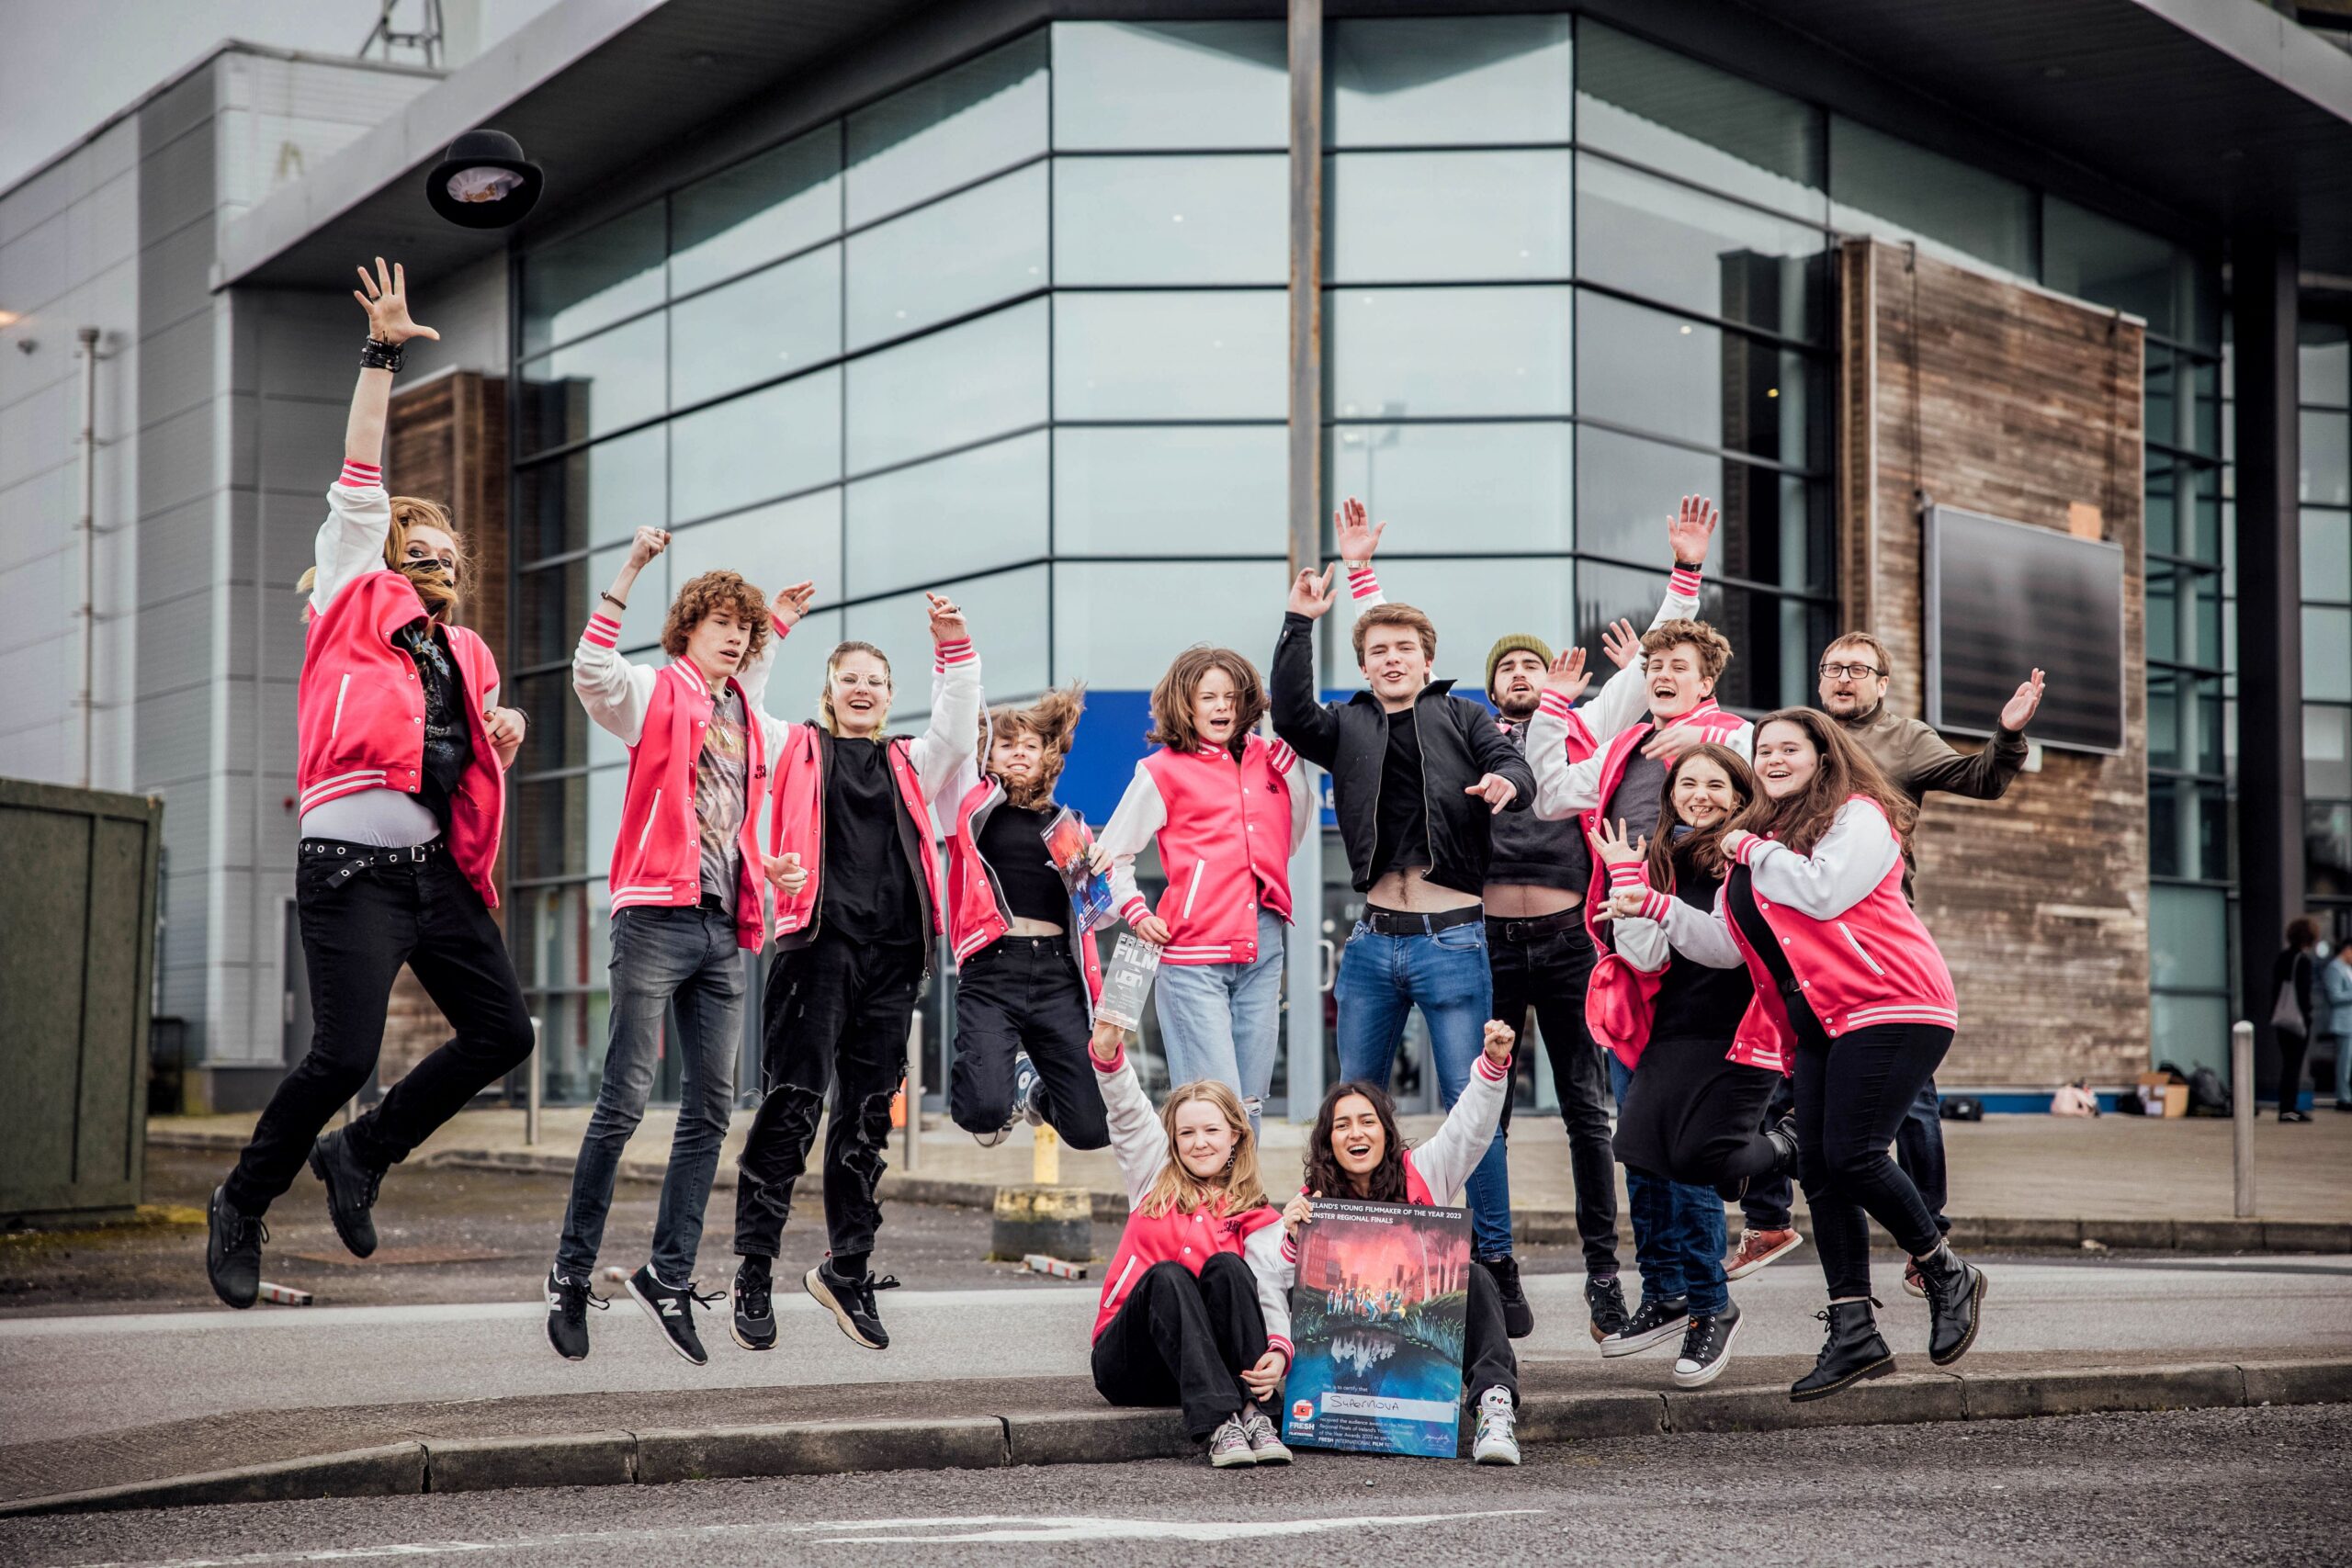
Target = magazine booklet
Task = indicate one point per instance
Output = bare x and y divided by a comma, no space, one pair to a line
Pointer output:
1067,845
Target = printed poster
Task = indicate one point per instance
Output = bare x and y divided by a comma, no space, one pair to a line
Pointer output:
1066,843
1377,1316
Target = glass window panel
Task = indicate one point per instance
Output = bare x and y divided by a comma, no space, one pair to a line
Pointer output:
1501,488
985,115
772,323
1222,219
978,509
2164,721
2326,474
556,723
574,1034
1009,620
548,827
2207,741
1671,113
595,496
782,201
2327,851
1447,80
2328,752
2323,362
2327,556
2189,942
1116,625
757,447
2202,633
1691,381
951,388
2112,263
1435,217
2164,858
948,259
1172,490
769,545
1171,356
2200,406
798,674
1653,237
2210,823
591,280
1400,352
2164,611
2160,413
553,603
1775,642
591,389
2327,655
1120,84
1470,600
2159,515
2190,1031
559,940
1775,527
1881,185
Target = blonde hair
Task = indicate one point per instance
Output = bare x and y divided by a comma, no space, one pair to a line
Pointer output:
411,512
1176,1188
825,697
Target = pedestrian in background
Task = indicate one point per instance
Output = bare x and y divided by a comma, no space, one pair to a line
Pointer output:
2293,977
2335,1008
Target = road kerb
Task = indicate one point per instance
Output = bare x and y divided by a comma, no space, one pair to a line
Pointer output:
499,1464
2002,1396
2298,1383
821,1448
394,1471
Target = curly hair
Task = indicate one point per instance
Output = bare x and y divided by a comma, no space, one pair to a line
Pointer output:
1171,700
711,592
1322,1171
1844,770
1713,647
1052,719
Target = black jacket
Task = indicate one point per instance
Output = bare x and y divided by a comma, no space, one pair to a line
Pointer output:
1460,745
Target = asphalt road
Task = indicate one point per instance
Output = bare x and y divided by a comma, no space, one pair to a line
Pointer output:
71,1376
2223,1486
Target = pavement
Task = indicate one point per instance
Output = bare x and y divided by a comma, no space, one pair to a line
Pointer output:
2256,1485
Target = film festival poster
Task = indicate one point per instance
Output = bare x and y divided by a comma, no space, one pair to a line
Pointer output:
1377,1316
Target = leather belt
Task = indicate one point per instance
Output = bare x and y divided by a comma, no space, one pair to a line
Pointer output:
1397,922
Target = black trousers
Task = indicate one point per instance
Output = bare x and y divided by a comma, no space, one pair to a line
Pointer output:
2293,1047
835,1014
1918,1149
1545,962
1185,1341
1770,1203
1487,1360
1694,1117
1852,1093
1024,992
364,914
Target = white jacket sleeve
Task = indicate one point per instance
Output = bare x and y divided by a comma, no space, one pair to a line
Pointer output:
350,541
1642,943
954,731
1135,822
1363,589
1704,936
613,690
1851,859
1623,698
1137,1141
1273,1274
1563,788
1457,1147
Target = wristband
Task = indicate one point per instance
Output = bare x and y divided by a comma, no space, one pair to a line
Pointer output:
621,603
1680,565
377,354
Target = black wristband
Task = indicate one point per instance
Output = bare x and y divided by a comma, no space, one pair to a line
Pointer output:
1690,566
623,603
377,354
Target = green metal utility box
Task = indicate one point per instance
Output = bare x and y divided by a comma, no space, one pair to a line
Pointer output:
77,964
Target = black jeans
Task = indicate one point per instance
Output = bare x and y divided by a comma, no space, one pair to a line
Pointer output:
1546,962
2293,1047
364,913
835,1013
1185,1341
1487,1360
1918,1149
1017,992
1852,1093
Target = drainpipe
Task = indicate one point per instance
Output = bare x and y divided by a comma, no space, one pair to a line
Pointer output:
88,528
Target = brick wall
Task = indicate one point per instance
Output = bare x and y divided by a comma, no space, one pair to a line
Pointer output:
2006,399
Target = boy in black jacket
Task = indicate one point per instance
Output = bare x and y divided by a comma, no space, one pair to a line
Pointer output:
1415,774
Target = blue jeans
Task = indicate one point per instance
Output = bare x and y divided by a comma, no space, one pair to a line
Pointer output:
1677,1230
1919,1150
1225,1021
1446,975
662,958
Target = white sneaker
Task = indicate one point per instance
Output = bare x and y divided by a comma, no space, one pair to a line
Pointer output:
1265,1444
1229,1445
1495,1443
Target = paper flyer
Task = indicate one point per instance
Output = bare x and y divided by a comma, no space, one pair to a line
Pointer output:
1127,981
1377,1316
1066,843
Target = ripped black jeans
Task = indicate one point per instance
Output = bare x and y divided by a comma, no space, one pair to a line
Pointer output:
835,1012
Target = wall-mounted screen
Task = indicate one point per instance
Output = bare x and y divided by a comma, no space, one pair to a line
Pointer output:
2004,598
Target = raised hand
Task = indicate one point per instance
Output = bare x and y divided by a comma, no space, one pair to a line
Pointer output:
1359,539
1612,846
1674,742
648,543
946,620
787,872
1566,674
1107,1040
1496,791
1621,643
383,293
788,604
1692,529
2019,711
1500,1040
1311,594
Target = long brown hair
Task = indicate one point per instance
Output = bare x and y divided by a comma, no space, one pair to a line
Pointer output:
1052,719
1323,1171
1171,700
435,590
1702,847
1177,1190
1844,770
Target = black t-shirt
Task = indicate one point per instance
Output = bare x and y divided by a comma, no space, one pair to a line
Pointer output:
1011,841
1639,790
1740,897
869,889
1530,851
448,739
1695,1002
1401,827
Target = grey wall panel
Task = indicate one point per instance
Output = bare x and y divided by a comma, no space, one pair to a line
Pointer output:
175,739
175,552
178,110
300,442
35,513
179,364
33,266
178,460
176,187
175,275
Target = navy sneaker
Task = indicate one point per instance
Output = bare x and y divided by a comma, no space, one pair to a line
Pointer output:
568,1303
672,1308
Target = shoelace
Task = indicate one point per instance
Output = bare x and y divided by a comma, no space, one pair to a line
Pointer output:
574,1298
751,1293
698,1299
864,1290
249,1232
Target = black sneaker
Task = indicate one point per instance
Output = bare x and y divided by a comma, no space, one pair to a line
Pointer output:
1519,1318
1706,1348
351,1190
754,1325
1653,1322
568,1303
233,1251
852,1302
1605,1299
672,1308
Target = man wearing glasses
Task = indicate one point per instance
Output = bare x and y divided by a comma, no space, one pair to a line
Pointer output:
1854,674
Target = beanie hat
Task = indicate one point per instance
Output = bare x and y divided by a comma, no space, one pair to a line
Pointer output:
1518,642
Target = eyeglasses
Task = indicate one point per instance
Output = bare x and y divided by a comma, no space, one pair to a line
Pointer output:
1850,672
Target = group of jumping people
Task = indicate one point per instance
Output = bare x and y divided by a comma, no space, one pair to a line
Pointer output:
1710,921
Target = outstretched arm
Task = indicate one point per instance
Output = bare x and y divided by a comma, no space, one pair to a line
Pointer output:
359,515
954,731
613,690
1300,717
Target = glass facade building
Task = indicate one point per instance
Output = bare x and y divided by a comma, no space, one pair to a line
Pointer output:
1018,332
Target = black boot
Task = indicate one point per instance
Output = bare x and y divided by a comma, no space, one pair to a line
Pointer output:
1955,1301
352,1185
1519,1318
1782,1136
1853,1351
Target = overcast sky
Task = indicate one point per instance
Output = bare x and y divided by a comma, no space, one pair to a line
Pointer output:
66,66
